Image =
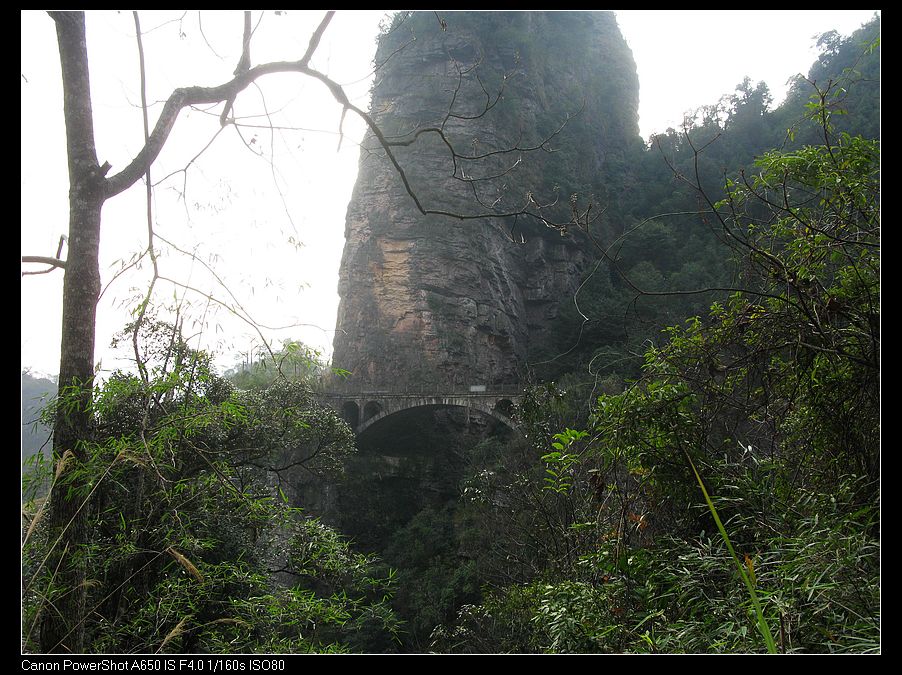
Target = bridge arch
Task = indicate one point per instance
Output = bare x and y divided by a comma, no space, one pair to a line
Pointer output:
504,406
484,407
350,413
371,410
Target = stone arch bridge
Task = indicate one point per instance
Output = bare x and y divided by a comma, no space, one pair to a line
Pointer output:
363,409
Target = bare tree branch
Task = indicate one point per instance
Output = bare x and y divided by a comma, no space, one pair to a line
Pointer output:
244,64
184,169
227,92
191,96
200,26
181,98
55,262
45,260
316,37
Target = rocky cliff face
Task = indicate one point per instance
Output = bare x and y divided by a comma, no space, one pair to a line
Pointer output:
540,108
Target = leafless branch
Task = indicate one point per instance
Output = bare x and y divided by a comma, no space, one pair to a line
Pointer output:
271,160
489,101
236,308
200,26
149,214
55,263
315,38
184,169
244,64
166,23
194,96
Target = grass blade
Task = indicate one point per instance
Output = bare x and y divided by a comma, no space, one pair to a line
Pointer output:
762,624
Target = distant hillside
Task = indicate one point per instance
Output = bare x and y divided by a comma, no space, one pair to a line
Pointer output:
661,243
36,392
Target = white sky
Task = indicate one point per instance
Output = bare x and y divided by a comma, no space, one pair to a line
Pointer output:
243,214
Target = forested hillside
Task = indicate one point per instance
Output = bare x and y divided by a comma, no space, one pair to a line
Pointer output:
711,487
727,499
667,247
36,393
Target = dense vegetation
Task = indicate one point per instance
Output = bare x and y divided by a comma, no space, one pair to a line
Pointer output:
703,476
772,400
600,540
665,241
194,547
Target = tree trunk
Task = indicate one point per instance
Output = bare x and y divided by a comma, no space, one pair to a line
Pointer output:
62,624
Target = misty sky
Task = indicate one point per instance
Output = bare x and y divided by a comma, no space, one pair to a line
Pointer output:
266,209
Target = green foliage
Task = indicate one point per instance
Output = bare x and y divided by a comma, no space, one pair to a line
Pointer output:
287,424
191,544
848,66
559,463
37,392
789,367
603,541
433,578
501,624
293,362
526,503
747,577
772,397
658,235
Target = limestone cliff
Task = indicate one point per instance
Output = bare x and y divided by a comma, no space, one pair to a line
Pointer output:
547,102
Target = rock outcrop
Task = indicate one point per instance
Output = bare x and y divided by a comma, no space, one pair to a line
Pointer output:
544,105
